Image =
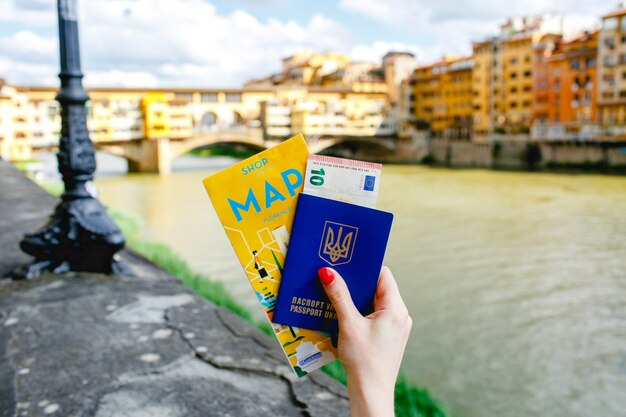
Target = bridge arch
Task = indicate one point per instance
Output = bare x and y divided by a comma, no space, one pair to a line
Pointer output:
208,121
251,146
181,148
238,119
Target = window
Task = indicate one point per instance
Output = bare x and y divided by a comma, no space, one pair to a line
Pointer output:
513,61
527,74
609,43
610,24
513,89
208,97
610,61
233,97
513,75
53,110
574,64
186,96
590,62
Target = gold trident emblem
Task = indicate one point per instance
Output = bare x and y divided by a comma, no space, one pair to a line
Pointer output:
338,243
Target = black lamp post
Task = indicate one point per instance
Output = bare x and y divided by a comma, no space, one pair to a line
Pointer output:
79,236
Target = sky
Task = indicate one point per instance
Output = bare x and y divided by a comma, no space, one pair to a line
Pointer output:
223,43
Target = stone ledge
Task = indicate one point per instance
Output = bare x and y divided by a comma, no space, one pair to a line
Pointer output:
83,344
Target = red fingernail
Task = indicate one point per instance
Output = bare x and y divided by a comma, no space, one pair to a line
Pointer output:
326,276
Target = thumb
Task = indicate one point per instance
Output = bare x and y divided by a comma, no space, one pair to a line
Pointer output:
338,293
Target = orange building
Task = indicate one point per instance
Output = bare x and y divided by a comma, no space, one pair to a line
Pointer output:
443,97
542,73
566,88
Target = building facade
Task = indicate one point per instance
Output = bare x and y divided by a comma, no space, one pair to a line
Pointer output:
29,116
443,97
565,99
503,77
612,74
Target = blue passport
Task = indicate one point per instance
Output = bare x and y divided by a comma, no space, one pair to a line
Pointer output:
327,233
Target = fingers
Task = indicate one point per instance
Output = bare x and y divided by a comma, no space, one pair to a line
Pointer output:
387,292
338,293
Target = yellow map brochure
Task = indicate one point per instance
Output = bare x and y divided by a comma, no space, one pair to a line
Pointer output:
255,200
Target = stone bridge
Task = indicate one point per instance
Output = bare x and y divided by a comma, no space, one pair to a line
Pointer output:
156,155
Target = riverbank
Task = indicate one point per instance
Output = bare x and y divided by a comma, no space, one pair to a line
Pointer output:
94,345
411,401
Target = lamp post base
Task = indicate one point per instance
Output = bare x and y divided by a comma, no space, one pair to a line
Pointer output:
79,236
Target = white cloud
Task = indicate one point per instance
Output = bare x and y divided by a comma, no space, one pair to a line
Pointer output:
190,43
34,13
452,25
374,52
168,43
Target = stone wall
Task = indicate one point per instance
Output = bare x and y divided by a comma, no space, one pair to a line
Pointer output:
522,154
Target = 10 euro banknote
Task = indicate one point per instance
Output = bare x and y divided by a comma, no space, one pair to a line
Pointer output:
346,180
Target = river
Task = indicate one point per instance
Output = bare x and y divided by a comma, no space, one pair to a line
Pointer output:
516,282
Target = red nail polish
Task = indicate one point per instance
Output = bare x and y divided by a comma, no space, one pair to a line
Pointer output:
326,276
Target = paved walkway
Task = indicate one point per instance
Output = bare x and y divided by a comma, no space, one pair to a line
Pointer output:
93,345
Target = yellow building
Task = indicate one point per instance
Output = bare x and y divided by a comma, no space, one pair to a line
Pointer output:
517,95
443,97
29,116
180,119
99,120
330,69
612,74
306,67
483,101
15,125
503,77
502,85
326,112
156,119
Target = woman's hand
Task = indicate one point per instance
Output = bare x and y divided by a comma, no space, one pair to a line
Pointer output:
370,348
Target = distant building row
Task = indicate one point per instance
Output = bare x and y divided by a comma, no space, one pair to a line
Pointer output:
317,94
528,80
